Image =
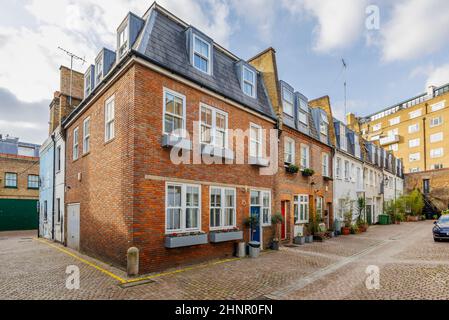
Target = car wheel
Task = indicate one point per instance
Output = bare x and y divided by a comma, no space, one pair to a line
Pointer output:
436,240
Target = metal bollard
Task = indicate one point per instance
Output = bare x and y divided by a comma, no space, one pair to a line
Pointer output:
133,262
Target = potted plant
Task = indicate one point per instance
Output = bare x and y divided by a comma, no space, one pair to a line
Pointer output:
292,169
346,229
398,218
308,172
299,240
330,233
308,233
252,222
277,220
354,229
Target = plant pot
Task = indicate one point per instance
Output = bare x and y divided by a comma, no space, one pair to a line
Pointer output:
319,237
412,218
275,245
309,239
345,231
397,222
299,240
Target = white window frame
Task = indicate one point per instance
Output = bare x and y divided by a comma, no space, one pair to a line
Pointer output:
413,128
99,70
414,143
319,200
213,128
434,123
223,208
75,148
195,52
305,147
258,140
86,137
436,137
123,41
58,159
245,81
301,201
325,164
338,168
438,106
164,108
289,141
437,153
415,114
414,157
324,125
394,147
347,174
28,181
88,82
109,121
343,139
377,127
395,121
286,103
183,208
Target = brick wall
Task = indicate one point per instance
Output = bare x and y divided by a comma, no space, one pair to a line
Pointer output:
122,187
23,166
439,185
288,185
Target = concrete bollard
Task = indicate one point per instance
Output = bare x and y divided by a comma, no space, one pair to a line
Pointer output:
133,262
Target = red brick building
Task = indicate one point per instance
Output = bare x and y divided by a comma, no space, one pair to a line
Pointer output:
299,197
124,189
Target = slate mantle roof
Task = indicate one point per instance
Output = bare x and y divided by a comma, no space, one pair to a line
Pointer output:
164,42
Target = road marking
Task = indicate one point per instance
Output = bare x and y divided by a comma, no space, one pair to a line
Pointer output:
303,282
112,275
125,281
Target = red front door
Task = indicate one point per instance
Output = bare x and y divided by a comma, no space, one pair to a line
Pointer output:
284,223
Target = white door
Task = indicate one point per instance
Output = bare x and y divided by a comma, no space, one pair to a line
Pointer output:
73,226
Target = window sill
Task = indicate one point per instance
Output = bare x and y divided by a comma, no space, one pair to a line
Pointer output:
171,141
85,154
11,188
109,141
218,152
33,188
259,161
217,237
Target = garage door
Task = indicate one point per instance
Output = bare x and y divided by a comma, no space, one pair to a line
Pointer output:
73,226
18,214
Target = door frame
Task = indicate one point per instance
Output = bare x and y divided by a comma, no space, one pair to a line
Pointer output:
285,211
79,223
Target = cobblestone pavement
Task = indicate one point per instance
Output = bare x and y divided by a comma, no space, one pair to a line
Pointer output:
411,266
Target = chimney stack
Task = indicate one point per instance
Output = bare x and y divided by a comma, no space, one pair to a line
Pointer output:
431,91
67,98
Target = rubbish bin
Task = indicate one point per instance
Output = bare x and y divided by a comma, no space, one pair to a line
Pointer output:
384,219
241,249
254,249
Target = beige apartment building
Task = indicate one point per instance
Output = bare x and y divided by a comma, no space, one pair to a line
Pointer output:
415,130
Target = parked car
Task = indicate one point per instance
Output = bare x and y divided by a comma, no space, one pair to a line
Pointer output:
441,229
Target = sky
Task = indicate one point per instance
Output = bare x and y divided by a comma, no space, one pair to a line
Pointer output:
393,49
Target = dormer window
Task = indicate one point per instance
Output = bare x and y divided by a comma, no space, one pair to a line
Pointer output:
99,70
287,101
201,54
87,82
343,141
249,82
324,123
303,111
123,40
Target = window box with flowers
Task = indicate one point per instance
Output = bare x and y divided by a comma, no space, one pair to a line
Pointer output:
308,172
291,168
218,236
176,240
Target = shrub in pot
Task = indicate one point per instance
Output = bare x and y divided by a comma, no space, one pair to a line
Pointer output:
308,233
277,220
346,229
300,240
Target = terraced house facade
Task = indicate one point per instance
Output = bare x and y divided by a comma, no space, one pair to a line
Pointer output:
177,142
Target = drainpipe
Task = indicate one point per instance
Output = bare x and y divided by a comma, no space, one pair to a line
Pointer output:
53,189
425,142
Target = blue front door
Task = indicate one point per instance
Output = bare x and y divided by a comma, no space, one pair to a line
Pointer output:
255,231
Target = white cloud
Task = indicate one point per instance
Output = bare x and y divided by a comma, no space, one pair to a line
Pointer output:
259,13
434,76
340,23
83,27
416,28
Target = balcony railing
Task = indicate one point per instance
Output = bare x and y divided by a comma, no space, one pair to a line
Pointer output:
389,140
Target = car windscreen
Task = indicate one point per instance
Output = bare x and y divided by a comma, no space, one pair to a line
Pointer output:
444,219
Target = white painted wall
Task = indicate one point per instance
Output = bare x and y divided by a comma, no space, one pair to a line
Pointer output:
373,194
346,188
60,188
